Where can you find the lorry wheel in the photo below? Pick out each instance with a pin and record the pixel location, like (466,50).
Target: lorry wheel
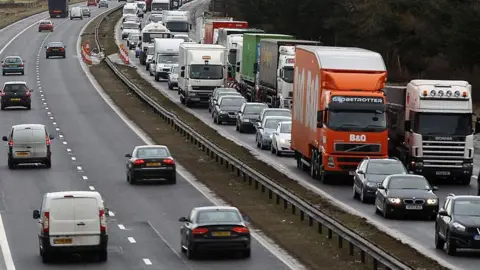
(157,78)
(182,100)
(465,181)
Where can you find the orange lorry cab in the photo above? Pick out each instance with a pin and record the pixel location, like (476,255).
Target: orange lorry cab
(338,116)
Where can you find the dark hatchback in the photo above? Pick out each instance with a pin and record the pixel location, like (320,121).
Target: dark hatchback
(248,115)
(458,224)
(16,94)
(406,194)
(55,49)
(216,94)
(151,163)
(226,109)
(214,228)
(370,174)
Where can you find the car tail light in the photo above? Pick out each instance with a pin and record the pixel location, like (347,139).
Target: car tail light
(62,49)
(49,49)
(4,65)
(28,93)
(46,222)
(2,93)
(240,229)
(21,64)
(10,143)
(103,221)
(200,231)
(139,162)
(169,161)
(47,140)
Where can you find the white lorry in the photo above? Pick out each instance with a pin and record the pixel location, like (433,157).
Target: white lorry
(129,9)
(430,128)
(166,56)
(202,69)
(176,21)
(200,26)
(148,34)
(129,28)
(158,6)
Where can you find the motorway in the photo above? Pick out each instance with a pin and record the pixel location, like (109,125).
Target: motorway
(419,234)
(88,154)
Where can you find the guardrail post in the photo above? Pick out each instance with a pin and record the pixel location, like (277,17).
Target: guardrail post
(277,199)
(263,189)
(256,184)
(270,194)
(310,221)
(362,256)
(375,264)
(330,233)
(320,228)
(350,249)
(285,204)
(293,209)
(302,215)
(340,242)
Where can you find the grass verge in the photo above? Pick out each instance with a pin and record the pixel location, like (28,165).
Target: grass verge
(305,243)
(14,14)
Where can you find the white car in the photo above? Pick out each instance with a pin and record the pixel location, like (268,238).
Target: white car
(72,222)
(150,55)
(173,78)
(185,37)
(129,28)
(281,139)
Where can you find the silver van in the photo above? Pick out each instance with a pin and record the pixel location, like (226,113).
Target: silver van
(28,143)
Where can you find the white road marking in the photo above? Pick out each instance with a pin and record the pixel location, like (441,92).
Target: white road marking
(79,168)
(54,123)
(57,129)
(64,142)
(131,240)
(73,158)
(51,117)
(111,214)
(49,113)
(17,35)
(7,254)
(91,187)
(121,227)
(84,177)
(69,150)
(147,261)
(60,136)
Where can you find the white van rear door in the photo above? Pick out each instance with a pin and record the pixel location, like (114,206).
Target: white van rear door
(87,221)
(62,218)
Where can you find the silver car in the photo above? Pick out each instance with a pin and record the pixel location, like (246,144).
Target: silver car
(86,12)
(274,112)
(282,138)
(266,128)
(173,78)
(103,3)
(29,143)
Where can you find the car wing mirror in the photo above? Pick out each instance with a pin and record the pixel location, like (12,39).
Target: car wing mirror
(360,172)
(443,212)
(51,137)
(183,219)
(45,47)
(128,155)
(36,214)
(434,188)
(245,217)
(107,211)
(5,139)
(381,187)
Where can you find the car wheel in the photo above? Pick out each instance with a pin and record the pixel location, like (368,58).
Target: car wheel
(64,56)
(11,164)
(171,88)
(48,163)
(173,180)
(46,257)
(246,253)
(132,181)
(103,255)
(272,149)
(2,107)
(385,211)
(362,196)
(257,141)
(241,129)
(214,119)
(439,242)
(23,72)
(157,77)
(278,152)
(451,247)
(355,193)
(29,106)
(465,181)
(3,73)
(190,252)
(46,56)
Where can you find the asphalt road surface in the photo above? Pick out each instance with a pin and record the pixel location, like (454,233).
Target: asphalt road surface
(88,154)
(417,233)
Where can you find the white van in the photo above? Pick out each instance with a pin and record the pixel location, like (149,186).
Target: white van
(76,12)
(72,222)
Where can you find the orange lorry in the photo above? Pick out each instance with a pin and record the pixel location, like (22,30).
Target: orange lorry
(338,115)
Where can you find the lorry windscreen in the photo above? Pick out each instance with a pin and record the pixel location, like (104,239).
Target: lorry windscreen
(232,56)
(451,124)
(206,72)
(288,74)
(129,11)
(177,26)
(167,59)
(130,26)
(160,6)
(361,120)
(149,37)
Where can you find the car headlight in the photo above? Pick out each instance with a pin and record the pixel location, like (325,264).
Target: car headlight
(246,120)
(458,226)
(467,165)
(371,184)
(331,162)
(432,201)
(192,94)
(222,112)
(394,200)
(270,136)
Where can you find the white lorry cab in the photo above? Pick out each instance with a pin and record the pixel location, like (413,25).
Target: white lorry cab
(148,34)
(129,27)
(176,21)
(129,9)
(166,56)
(202,69)
(72,222)
(158,6)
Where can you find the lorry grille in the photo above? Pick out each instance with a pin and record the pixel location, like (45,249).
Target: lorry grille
(357,147)
(209,88)
(446,154)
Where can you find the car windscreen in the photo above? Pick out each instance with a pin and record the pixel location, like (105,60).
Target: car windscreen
(12,60)
(55,45)
(215,216)
(408,183)
(130,25)
(385,168)
(286,128)
(152,153)
(29,136)
(15,88)
(467,208)
(277,113)
(254,109)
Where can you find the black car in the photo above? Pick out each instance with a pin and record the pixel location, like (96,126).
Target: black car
(226,109)
(55,49)
(248,116)
(16,94)
(214,228)
(457,224)
(151,163)
(370,173)
(215,95)
(403,194)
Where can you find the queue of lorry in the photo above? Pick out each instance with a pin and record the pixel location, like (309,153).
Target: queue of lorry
(342,109)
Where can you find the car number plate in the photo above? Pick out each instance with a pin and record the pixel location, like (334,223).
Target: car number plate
(55,50)
(62,241)
(414,207)
(15,99)
(22,154)
(476,237)
(351,173)
(442,173)
(154,164)
(221,233)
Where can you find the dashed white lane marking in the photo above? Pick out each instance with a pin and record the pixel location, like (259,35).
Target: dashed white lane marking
(51,117)
(91,188)
(45,103)
(121,227)
(147,261)
(131,240)
(111,214)
(79,168)
(57,129)
(60,136)
(69,150)
(54,123)
(49,113)
(73,158)
(64,142)
(84,177)
(43,99)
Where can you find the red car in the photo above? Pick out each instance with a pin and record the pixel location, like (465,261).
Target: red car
(45,25)
(91,3)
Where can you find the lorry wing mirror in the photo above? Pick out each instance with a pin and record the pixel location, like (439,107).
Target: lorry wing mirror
(182,74)
(408,125)
(238,68)
(255,67)
(477,125)
(190,25)
(182,68)
(278,73)
(319,119)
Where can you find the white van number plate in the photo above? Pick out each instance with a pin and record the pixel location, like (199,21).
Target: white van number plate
(442,173)
(62,241)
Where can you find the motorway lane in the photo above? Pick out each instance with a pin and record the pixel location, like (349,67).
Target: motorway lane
(99,139)
(420,232)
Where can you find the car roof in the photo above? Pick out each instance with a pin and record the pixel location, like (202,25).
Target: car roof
(398,175)
(256,103)
(47,21)
(211,208)
(15,82)
(276,109)
(463,197)
(151,146)
(384,160)
(276,117)
(13,56)
(232,97)
(226,89)
(31,126)
(61,194)
(286,122)
(55,43)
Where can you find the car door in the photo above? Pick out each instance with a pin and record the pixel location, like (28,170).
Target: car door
(240,113)
(381,194)
(87,221)
(39,143)
(187,227)
(357,181)
(445,220)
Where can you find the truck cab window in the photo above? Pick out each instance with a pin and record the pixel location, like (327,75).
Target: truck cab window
(351,120)
(452,124)
(288,74)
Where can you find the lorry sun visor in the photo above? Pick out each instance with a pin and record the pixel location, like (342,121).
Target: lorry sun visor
(357,107)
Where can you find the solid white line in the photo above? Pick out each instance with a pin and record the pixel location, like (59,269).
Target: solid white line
(121,227)
(7,254)
(57,129)
(84,177)
(131,240)
(91,187)
(17,35)
(147,261)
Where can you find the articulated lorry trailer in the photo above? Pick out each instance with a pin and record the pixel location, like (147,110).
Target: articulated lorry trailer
(275,71)
(338,116)
(430,128)
(212,26)
(58,8)
(248,69)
